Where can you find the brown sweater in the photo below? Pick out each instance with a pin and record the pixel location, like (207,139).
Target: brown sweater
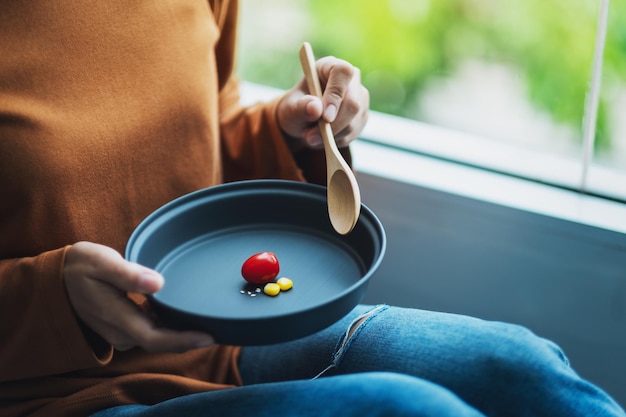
(109,109)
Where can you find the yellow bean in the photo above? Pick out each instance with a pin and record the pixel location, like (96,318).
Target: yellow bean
(271,289)
(284,283)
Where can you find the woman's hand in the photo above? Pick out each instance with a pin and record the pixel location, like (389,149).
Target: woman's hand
(97,279)
(345,104)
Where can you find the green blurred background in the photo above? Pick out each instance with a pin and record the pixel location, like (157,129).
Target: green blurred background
(509,70)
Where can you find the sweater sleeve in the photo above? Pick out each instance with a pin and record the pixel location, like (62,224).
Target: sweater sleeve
(40,332)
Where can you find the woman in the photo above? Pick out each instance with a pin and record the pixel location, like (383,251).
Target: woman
(109,110)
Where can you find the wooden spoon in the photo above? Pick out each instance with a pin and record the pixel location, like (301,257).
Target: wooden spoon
(344,198)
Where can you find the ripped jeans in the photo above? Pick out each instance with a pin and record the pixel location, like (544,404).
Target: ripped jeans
(390,361)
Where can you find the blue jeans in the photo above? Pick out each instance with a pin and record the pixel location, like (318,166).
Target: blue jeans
(390,361)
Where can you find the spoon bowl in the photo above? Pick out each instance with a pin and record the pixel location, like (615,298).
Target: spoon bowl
(345,210)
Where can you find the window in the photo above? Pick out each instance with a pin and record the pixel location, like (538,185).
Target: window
(500,85)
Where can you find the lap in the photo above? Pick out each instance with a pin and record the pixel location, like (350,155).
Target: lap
(400,361)
(357,395)
(494,366)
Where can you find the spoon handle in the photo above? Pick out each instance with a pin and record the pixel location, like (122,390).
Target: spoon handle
(313,82)
(310,72)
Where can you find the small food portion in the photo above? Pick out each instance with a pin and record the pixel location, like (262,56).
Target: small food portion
(260,268)
(284,283)
(271,289)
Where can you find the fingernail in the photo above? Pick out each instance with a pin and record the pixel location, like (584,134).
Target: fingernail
(314,140)
(150,281)
(330,113)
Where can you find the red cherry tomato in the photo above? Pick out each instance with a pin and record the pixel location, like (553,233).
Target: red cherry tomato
(260,268)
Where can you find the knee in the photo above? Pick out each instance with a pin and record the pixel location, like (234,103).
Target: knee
(514,351)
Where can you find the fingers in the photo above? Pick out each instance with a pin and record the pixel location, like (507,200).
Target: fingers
(166,340)
(344,104)
(142,332)
(97,279)
(125,326)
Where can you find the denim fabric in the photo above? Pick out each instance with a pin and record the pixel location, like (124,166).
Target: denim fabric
(390,361)
(357,395)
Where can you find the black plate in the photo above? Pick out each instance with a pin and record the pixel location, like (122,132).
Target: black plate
(199,242)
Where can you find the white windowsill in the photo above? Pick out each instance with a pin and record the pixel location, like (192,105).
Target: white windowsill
(388,161)
(487,186)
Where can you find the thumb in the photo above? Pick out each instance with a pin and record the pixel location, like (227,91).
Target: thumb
(339,79)
(147,280)
(110,267)
(129,276)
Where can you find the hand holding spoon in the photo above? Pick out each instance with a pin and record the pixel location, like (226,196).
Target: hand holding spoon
(344,198)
